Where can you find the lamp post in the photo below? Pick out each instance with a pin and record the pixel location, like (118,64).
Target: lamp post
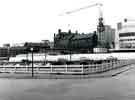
(32,62)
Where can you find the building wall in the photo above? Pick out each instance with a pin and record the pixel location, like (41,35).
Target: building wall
(107,37)
(3,52)
(62,39)
(23,48)
(75,41)
(126,36)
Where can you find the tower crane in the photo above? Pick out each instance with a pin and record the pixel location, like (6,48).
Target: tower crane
(100,26)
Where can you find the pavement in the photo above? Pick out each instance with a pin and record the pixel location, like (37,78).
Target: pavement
(118,84)
(109,73)
(119,87)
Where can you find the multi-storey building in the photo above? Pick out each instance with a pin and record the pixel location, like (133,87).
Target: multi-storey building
(106,38)
(125,36)
(75,41)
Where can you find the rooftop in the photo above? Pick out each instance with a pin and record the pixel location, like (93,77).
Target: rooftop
(82,36)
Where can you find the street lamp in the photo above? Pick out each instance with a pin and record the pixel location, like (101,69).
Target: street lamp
(32,62)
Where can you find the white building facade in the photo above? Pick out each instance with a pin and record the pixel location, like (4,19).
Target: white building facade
(125,36)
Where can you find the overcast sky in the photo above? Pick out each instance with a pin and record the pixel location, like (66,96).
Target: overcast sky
(36,20)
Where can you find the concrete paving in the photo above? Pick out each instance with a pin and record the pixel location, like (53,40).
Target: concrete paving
(118,87)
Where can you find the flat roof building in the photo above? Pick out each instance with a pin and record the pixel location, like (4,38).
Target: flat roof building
(107,37)
(125,36)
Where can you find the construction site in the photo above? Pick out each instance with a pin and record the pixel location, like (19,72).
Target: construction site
(92,65)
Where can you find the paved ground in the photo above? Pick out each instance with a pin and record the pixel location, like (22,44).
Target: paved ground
(120,87)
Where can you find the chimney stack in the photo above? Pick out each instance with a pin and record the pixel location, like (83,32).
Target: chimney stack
(59,31)
(69,31)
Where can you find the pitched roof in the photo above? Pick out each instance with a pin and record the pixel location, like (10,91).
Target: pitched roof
(32,44)
(65,36)
(82,36)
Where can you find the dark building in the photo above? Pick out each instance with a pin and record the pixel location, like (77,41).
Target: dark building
(13,51)
(62,39)
(3,52)
(10,51)
(84,42)
(37,47)
(75,41)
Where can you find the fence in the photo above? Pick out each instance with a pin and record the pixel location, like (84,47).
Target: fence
(66,69)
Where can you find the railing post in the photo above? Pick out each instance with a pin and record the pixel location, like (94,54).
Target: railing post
(51,68)
(82,69)
(92,71)
(15,69)
(103,64)
(98,68)
(95,68)
(5,69)
(66,68)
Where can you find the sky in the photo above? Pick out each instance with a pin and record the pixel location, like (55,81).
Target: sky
(36,20)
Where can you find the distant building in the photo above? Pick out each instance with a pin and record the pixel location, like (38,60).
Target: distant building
(62,39)
(23,48)
(125,36)
(17,45)
(13,51)
(6,45)
(107,37)
(37,46)
(75,41)
(84,42)
(3,52)
(49,43)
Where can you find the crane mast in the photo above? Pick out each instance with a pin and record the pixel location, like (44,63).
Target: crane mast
(100,26)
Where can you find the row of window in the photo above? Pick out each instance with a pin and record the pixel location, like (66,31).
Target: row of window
(127,40)
(82,43)
(127,45)
(127,34)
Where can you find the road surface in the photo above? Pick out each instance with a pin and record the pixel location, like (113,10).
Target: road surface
(120,87)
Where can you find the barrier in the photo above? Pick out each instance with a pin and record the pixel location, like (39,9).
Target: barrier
(66,69)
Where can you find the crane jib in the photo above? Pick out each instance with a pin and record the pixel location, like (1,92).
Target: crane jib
(82,8)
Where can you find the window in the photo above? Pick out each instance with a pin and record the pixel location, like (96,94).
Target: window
(127,34)
(127,40)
